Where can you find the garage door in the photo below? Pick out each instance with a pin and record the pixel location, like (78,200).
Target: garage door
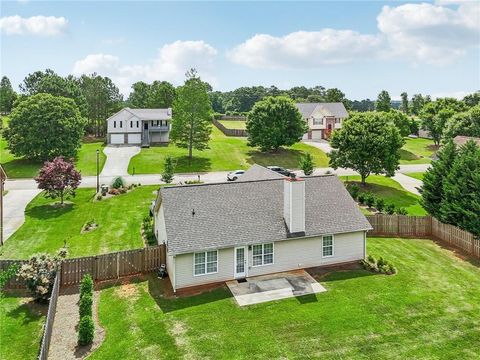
(317,134)
(134,138)
(116,139)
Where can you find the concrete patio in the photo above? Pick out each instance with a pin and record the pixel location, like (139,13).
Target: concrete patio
(271,287)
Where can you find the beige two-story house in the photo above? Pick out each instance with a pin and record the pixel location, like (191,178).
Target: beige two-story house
(322,118)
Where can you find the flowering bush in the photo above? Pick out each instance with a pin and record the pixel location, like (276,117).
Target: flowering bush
(39,273)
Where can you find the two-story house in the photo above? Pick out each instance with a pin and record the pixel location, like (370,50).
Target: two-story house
(139,127)
(322,118)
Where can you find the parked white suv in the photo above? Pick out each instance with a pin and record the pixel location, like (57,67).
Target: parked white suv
(234,175)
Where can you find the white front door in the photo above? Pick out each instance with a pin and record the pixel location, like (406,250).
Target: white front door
(240,270)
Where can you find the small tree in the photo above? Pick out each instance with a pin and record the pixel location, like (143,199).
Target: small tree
(275,122)
(39,273)
(7,95)
(404,106)
(192,111)
(168,170)
(118,182)
(86,330)
(306,164)
(368,144)
(58,178)
(383,102)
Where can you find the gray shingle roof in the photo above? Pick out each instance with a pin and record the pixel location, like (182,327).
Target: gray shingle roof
(462,140)
(326,109)
(151,114)
(249,212)
(257,172)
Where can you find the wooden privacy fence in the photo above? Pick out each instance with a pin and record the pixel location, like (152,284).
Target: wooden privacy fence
(47,329)
(229,132)
(424,226)
(102,267)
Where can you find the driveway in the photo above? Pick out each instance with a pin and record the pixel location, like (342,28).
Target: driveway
(323,145)
(14,204)
(118,159)
(408,183)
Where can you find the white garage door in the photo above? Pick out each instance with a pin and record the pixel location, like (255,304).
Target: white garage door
(317,134)
(117,139)
(134,138)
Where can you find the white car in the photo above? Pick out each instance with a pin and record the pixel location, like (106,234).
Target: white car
(234,175)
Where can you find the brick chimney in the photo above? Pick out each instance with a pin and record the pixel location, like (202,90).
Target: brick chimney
(294,205)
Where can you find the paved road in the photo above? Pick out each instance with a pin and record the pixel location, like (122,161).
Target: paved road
(408,183)
(118,159)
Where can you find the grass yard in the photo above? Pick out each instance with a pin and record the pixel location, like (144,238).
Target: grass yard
(232,124)
(391,191)
(18,167)
(21,326)
(417,175)
(429,310)
(417,151)
(47,227)
(225,153)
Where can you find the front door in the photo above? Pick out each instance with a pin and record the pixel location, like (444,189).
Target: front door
(240,270)
(145,125)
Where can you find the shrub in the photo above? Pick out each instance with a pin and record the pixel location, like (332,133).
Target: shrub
(86,330)
(381,265)
(114,191)
(122,190)
(380,204)
(193,182)
(86,286)
(118,182)
(99,197)
(168,169)
(390,209)
(369,199)
(361,198)
(85,305)
(401,211)
(353,189)
(306,164)
(148,230)
(39,273)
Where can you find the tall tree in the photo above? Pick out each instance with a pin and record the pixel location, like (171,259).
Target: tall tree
(58,178)
(384,102)
(367,143)
(465,123)
(140,95)
(45,126)
(275,122)
(472,99)
(432,188)
(435,115)
(161,95)
(335,95)
(400,120)
(7,95)
(461,187)
(404,106)
(417,104)
(192,112)
(103,99)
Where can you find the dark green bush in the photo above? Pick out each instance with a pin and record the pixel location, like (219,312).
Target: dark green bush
(85,305)
(86,330)
(390,209)
(381,265)
(401,211)
(361,198)
(86,286)
(118,182)
(369,199)
(380,204)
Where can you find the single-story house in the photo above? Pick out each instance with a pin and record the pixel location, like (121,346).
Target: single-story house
(224,231)
(462,140)
(139,127)
(322,118)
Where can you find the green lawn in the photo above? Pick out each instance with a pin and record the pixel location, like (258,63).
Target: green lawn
(47,227)
(417,151)
(391,191)
(21,327)
(232,124)
(17,167)
(429,310)
(225,153)
(417,175)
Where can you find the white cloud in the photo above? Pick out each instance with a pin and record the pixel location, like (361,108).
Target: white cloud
(430,33)
(171,63)
(305,49)
(35,25)
(456,94)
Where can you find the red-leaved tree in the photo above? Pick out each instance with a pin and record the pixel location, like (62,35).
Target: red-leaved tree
(58,178)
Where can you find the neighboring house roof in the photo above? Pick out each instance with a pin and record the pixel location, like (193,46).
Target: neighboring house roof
(257,172)
(213,216)
(462,140)
(148,114)
(325,109)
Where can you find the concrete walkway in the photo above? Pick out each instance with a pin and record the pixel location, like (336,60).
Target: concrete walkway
(118,159)
(408,183)
(320,144)
(14,204)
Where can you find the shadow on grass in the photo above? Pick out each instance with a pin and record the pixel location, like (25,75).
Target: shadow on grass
(29,311)
(158,288)
(196,164)
(307,299)
(49,211)
(407,155)
(21,168)
(347,275)
(288,158)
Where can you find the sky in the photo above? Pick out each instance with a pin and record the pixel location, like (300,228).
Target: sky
(360,47)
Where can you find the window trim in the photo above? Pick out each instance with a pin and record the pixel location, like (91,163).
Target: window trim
(319,119)
(206,262)
(263,254)
(333,246)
